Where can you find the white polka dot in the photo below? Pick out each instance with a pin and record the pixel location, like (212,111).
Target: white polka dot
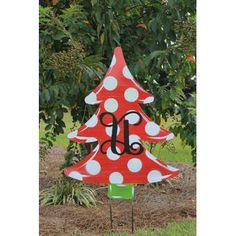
(110,83)
(111,105)
(134,165)
(113,156)
(75,175)
(116,178)
(154,176)
(133,138)
(92,121)
(127,73)
(93,167)
(170,136)
(131,94)
(133,118)
(91,98)
(91,140)
(152,128)
(113,61)
(109,130)
(171,168)
(148,100)
(72,134)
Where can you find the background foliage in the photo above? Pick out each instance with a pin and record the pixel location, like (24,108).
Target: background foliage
(77,38)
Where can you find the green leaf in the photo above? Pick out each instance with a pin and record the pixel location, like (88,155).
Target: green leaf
(158,53)
(59,35)
(46,95)
(48,127)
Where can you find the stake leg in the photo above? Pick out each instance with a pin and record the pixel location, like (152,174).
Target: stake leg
(132,217)
(110,213)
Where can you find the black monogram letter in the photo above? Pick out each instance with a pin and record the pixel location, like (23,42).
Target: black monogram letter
(128,148)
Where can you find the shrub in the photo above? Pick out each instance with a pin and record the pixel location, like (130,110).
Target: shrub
(67,191)
(158,40)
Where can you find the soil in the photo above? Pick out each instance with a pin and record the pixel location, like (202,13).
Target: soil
(154,206)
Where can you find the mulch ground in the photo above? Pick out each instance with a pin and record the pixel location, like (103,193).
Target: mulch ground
(154,206)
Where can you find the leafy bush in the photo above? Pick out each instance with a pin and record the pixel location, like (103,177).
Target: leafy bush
(158,39)
(67,191)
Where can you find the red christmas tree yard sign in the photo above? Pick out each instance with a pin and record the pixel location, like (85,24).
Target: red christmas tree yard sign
(118,125)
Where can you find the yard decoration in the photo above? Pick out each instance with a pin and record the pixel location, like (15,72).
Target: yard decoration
(118,125)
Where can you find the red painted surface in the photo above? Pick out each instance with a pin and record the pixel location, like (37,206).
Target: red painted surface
(118,94)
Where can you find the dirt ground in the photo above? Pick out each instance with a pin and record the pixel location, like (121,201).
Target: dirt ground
(154,206)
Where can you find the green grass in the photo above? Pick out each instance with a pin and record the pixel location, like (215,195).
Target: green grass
(181,154)
(185,228)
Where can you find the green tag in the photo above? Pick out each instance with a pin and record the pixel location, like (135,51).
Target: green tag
(121,191)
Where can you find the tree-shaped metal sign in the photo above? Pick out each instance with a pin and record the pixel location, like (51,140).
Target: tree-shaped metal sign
(118,125)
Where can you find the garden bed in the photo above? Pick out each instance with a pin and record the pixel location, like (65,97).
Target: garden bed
(154,205)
